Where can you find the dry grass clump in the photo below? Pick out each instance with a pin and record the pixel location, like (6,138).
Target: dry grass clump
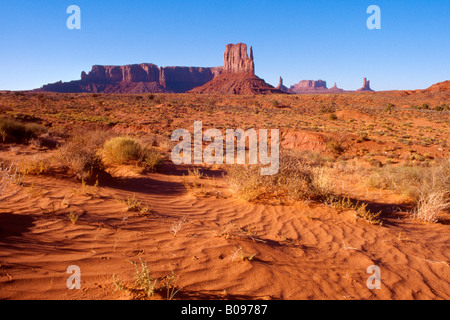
(8,177)
(122,150)
(145,286)
(80,154)
(429,187)
(37,165)
(135,205)
(430,206)
(16,131)
(296,180)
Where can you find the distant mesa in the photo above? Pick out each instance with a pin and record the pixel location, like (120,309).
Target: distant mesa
(366,86)
(238,76)
(311,86)
(136,78)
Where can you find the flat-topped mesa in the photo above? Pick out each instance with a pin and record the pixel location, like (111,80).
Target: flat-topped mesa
(144,72)
(366,86)
(137,78)
(306,86)
(236,59)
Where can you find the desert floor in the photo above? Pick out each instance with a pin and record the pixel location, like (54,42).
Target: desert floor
(225,247)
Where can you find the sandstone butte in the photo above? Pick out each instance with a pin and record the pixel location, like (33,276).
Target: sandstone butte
(365,87)
(238,75)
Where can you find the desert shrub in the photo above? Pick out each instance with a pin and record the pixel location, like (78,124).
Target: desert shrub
(335,147)
(16,131)
(333,116)
(81,153)
(8,177)
(120,150)
(327,109)
(275,104)
(37,165)
(296,180)
(441,107)
(429,187)
(152,158)
(430,205)
(389,107)
(146,286)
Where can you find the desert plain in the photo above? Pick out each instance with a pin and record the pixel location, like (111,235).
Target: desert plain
(363,181)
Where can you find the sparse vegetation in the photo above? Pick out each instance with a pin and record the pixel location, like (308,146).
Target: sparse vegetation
(8,176)
(429,187)
(146,286)
(80,154)
(73,217)
(296,180)
(16,131)
(135,205)
(120,150)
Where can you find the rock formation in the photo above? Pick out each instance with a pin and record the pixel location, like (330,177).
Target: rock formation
(309,86)
(137,78)
(238,76)
(236,60)
(183,79)
(335,89)
(366,86)
(283,87)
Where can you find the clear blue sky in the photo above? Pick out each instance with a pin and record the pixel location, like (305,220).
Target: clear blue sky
(298,39)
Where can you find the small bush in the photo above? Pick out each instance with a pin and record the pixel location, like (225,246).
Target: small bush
(335,148)
(80,154)
(8,177)
(389,107)
(146,286)
(429,187)
(327,109)
(296,180)
(152,158)
(15,131)
(121,150)
(431,205)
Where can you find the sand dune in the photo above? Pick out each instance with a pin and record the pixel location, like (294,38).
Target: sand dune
(300,251)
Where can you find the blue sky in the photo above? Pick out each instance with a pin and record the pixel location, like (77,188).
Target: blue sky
(298,40)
